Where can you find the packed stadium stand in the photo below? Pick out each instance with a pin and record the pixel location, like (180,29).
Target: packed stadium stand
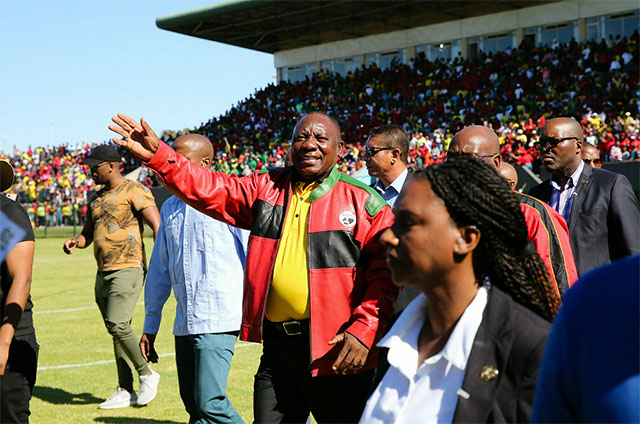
(432,91)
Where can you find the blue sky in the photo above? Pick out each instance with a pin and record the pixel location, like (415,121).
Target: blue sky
(67,66)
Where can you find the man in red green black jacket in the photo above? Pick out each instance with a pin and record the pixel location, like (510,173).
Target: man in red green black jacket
(318,293)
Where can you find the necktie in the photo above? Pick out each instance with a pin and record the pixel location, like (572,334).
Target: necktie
(566,213)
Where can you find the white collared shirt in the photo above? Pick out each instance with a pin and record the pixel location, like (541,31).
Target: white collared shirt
(560,195)
(428,393)
(390,194)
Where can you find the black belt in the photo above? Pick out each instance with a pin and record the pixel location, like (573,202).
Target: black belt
(286,328)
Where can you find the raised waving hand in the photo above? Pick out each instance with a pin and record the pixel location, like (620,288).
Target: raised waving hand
(138,137)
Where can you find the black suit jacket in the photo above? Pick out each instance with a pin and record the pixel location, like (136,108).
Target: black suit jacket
(604,224)
(511,341)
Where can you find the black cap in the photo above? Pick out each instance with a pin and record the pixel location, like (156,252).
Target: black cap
(102,153)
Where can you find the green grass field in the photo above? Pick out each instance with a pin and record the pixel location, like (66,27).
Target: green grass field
(75,367)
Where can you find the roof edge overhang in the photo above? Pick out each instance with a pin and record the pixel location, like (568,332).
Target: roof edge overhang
(194,16)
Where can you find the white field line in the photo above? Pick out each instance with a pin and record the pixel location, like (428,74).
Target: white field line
(111,361)
(84,308)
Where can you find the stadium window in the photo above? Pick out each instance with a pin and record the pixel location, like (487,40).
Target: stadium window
(612,27)
(630,23)
(341,66)
(445,50)
(593,29)
(440,51)
(298,73)
(351,64)
(623,24)
(370,59)
(490,43)
(546,35)
(310,69)
(384,60)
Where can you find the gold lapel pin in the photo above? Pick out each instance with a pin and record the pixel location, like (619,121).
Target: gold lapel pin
(583,181)
(489,372)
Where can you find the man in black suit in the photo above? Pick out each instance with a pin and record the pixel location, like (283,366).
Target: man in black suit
(599,205)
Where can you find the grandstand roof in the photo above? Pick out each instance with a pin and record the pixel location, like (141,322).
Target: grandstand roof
(276,25)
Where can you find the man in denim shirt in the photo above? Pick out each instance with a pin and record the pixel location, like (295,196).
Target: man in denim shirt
(202,260)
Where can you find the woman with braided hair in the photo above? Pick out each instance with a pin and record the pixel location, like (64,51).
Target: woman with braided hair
(469,347)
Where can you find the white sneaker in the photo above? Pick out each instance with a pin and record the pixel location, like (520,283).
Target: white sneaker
(148,387)
(120,399)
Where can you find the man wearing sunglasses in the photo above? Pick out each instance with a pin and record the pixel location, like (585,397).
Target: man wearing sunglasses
(545,227)
(591,156)
(386,155)
(599,205)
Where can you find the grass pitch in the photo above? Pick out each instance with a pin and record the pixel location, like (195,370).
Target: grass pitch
(76,370)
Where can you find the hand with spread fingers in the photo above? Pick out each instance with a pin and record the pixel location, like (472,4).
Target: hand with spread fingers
(138,137)
(352,356)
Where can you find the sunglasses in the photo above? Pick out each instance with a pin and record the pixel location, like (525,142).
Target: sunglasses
(592,162)
(551,142)
(371,151)
(98,165)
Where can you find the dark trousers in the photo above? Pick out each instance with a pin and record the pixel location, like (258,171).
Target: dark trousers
(285,392)
(19,378)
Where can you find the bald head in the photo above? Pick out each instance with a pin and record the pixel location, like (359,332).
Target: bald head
(197,148)
(509,173)
(479,141)
(562,141)
(566,127)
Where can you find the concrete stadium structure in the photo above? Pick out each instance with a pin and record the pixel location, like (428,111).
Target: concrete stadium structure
(340,36)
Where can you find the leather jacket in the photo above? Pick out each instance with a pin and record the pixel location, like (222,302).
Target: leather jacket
(349,282)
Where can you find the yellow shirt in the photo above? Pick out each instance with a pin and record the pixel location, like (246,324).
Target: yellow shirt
(289,292)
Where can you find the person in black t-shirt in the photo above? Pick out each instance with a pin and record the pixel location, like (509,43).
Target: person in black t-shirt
(18,346)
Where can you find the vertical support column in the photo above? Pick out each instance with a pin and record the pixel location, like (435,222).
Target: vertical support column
(278,75)
(361,58)
(410,53)
(519,36)
(464,47)
(582,30)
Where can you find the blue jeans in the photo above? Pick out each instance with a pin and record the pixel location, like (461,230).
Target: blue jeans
(203,362)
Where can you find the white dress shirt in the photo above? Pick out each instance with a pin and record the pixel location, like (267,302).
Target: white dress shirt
(427,393)
(560,195)
(390,194)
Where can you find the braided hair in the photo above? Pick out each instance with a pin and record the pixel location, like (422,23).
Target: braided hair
(474,194)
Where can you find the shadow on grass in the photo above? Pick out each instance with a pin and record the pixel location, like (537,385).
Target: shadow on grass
(62,397)
(131,420)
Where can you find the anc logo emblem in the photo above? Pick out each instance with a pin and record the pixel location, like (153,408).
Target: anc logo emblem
(347,218)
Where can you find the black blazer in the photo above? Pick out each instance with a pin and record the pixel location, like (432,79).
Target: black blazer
(511,341)
(604,224)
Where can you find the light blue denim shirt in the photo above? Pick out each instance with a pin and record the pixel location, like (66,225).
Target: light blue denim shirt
(202,260)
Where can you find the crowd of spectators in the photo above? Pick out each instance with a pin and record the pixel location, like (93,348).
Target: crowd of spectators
(513,91)
(54,186)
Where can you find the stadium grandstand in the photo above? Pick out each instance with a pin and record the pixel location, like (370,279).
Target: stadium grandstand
(341,36)
(431,67)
